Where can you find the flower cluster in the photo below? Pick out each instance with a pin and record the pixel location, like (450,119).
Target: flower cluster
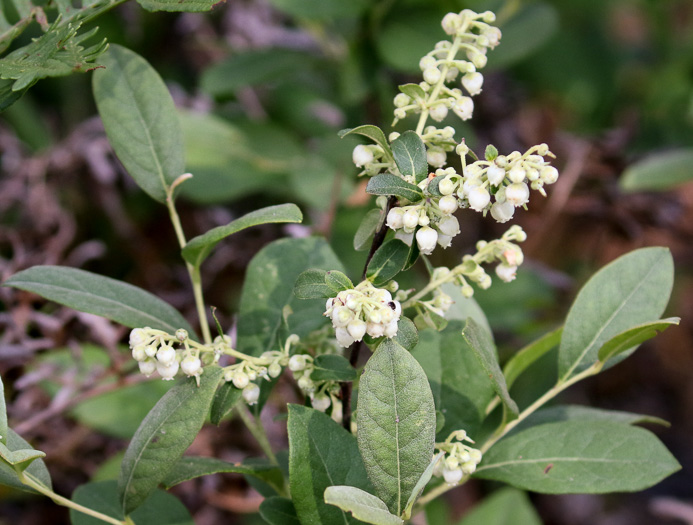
(436,224)
(459,459)
(506,178)
(472,35)
(363,310)
(154,352)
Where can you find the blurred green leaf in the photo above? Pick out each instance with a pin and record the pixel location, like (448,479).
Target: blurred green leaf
(99,295)
(367,229)
(407,35)
(504,507)
(396,422)
(569,457)
(37,468)
(279,511)
(190,6)
(321,9)
(529,354)
(140,120)
(332,367)
(199,248)
(387,261)
(659,172)
(191,467)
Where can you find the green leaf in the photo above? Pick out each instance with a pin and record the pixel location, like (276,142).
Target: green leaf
(389,184)
(582,413)
(321,454)
(279,511)
(140,120)
(20,458)
(633,337)
(191,467)
(572,457)
(37,469)
(461,389)
(199,248)
(338,281)
(423,481)
(504,507)
(408,34)
(375,134)
(407,335)
(410,155)
(632,290)
(3,415)
(524,358)
(190,6)
(269,287)
(321,9)
(525,33)
(251,68)
(659,172)
(414,91)
(387,261)
(396,421)
(95,294)
(160,507)
(367,229)
(464,307)
(332,367)
(312,284)
(362,505)
(57,52)
(224,400)
(485,351)
(166,432)
(432,187)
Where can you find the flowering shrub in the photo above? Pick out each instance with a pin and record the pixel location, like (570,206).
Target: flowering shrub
(431,388)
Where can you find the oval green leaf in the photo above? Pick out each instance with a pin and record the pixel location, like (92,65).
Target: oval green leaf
(166,432)
(389,184)
(199,248)
(224,400)
(632,290)
(573,457)
(410,155)
(338,281)
(37,469)
(507,506)
(321,454)
(312,284)
(366,230)
(362,505)
(332,367)
(95,294)
(659,172)
(630,339)
(191,467)
(279,511)
(396,423)
(387,261)
(140,120)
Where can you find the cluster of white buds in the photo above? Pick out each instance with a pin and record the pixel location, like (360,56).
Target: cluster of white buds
(439,304)
(435,225)
(459,459)
(505,179)
(363,310)
(154,351)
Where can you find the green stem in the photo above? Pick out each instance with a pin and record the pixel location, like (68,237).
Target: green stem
(30,481)
(257,430)
(193,272)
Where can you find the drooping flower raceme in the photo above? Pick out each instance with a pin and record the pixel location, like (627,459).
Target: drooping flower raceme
(363,310)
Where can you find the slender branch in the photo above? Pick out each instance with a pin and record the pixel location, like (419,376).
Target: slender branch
(379,236)
(30,481)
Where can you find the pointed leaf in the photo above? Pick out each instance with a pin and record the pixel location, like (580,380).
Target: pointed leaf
(372,132)
(633,337)
(413,90)
(224,400)
(321,454)
(632,290)
(529,354)
(332,367)
(367,229)
(279,511)
(507,506)
(140,120)
(410,155)
(480,341)
(362,505)
(312,284)
(160,507)
(389,184)
(396,423)
(572,457)
(191,467)
(37,468)
(95,294)
(20,458)
(421,484)
(387,261)
(166,432)
(197,249)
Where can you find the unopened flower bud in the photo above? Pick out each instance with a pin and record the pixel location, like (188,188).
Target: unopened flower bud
(506,272)
(451,23)
(431,75)
(439,112)
(401,100)
(166,355)
(436,158)
(427,238)
(548,174)
(182,334)
(448,204)
(463,108)
(472,82)
(449,226)
(167,372)
(240,379)
(362,156)
(394,218)
(343,337)
(137,337)
(502,212)
(446,186)
(306,384)
(357,329)
(495,175)
(427,62)
(452,476)
(410,219)
(147,367)
(391,329)
(251,393)
(517,174)
(138,353)
(375,329)
(479,198)
(297,362)
(517,194)
(150,350)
